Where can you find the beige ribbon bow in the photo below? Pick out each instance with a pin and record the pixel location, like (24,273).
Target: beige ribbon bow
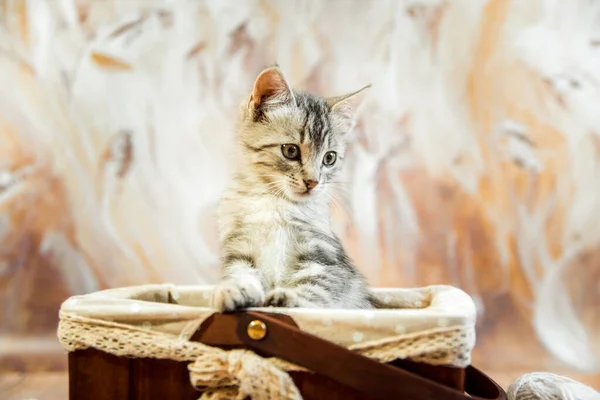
(238,374)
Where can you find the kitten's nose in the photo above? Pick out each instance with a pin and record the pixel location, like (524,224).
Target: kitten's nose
(310,184)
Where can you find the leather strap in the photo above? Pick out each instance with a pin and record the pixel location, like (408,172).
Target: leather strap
(377,380)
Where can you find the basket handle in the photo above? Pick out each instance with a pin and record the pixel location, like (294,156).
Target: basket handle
(378,380)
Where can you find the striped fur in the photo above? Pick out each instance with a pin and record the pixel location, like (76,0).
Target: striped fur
(278,247)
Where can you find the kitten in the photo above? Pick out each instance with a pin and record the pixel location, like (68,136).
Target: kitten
(278,247)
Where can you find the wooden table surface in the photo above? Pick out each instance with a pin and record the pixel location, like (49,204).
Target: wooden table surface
(53,385)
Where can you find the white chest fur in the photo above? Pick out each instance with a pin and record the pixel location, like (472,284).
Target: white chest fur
(271,237)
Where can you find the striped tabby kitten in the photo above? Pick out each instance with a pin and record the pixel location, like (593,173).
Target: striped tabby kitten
(278,247)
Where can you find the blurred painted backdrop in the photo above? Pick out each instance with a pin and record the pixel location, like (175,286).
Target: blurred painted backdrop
(475,162)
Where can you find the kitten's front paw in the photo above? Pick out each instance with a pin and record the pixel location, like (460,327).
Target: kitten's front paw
(230,296)
(280,297)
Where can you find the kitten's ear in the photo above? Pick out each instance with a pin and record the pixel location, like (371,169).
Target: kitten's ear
(270,89)
(347,104)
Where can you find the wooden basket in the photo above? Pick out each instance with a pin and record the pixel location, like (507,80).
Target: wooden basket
(331,371)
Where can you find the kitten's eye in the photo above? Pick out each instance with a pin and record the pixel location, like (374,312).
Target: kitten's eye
(330,158)
(290,151)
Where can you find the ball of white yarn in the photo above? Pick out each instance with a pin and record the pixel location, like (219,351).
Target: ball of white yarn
(547,386)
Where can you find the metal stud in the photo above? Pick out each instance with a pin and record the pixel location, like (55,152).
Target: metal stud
(257,330)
